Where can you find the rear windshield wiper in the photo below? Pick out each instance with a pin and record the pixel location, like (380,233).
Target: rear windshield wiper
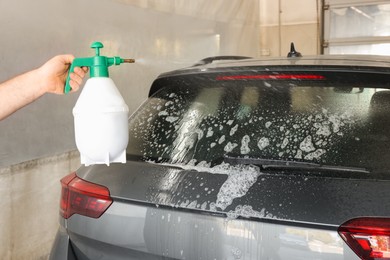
(271,164)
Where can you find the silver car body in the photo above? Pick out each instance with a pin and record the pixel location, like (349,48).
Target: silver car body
(176,210)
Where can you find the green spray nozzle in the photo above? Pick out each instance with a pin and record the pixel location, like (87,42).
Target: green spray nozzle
(98,65)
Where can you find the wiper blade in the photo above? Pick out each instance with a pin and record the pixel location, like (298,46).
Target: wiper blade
(266,164)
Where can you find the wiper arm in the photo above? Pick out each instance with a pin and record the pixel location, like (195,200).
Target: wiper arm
(266,162)
(284,164)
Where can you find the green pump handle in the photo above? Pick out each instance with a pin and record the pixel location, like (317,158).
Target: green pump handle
(98,65)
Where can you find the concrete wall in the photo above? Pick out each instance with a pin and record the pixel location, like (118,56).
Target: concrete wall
(37,143)
(304,37)
(30,194)
(286,21)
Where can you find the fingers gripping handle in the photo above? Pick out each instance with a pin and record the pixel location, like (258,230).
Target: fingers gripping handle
(78,62)
(67,87)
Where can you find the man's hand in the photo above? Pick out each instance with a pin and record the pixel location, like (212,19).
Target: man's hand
(54,72)
(49,78)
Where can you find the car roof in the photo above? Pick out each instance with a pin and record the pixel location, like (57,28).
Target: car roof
(222,62)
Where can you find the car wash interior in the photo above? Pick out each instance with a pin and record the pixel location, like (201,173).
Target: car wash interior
(37,142)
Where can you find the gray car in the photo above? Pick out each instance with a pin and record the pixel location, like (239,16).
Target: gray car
(241,158)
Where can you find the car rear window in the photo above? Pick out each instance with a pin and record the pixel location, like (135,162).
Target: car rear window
(206,120)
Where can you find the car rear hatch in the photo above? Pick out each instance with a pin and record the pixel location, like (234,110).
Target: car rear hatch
(248,163)
(163,211)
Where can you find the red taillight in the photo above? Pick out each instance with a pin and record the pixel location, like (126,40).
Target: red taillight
(83,197)
(368,237)
(273,76)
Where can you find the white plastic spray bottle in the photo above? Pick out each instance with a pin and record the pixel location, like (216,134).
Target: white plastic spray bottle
(100,113)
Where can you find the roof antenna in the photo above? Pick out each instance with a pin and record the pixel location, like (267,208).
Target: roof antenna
(293,53)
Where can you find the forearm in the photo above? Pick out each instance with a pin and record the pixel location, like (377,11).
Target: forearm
(20,91)
(49,78)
